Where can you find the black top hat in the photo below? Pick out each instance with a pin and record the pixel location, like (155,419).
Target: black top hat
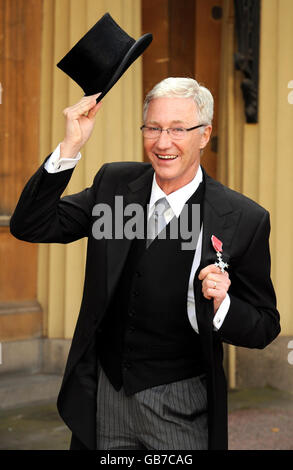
(102,55)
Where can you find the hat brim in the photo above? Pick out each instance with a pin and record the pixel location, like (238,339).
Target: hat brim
(134,52)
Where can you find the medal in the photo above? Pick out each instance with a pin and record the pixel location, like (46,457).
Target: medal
(218,247)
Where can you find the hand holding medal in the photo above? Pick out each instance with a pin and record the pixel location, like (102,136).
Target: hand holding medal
(215,280)
(218,247)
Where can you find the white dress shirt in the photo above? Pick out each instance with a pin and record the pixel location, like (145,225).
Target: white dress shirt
(54,164)
(176,200)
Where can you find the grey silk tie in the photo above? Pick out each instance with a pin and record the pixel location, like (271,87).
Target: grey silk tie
(157,220)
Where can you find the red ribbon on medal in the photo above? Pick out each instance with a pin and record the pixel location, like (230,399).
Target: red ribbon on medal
(217,244)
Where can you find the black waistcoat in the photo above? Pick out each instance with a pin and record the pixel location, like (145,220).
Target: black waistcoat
(146,338)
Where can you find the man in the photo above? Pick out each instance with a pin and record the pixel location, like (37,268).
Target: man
(155,315)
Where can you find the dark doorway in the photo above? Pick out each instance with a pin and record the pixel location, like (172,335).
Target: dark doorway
(187,43)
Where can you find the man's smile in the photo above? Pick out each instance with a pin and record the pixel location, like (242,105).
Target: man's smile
(166,157)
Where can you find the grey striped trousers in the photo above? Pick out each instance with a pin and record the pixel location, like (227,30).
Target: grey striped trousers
(165,417)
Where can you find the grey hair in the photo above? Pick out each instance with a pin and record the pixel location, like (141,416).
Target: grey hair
(180,87)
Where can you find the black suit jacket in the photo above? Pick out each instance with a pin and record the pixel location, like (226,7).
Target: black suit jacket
(241,224)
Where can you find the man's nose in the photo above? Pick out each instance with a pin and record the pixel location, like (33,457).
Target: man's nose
(164,140)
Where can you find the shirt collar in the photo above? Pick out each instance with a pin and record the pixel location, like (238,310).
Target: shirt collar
(178,198)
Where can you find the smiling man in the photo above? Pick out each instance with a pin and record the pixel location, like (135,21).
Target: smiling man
(174,152)
(145,366)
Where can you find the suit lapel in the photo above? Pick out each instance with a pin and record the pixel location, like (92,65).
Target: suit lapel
(138,192)
(219,219)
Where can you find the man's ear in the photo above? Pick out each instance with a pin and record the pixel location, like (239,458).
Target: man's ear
(205,136)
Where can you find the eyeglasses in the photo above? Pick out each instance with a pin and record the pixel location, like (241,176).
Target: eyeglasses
(176,133)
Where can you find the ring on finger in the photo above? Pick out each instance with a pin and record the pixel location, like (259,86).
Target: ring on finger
(215,285)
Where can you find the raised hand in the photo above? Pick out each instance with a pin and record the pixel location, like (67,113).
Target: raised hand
(80,120)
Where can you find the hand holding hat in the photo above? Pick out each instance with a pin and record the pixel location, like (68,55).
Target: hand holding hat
(96,63)
(80,119)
